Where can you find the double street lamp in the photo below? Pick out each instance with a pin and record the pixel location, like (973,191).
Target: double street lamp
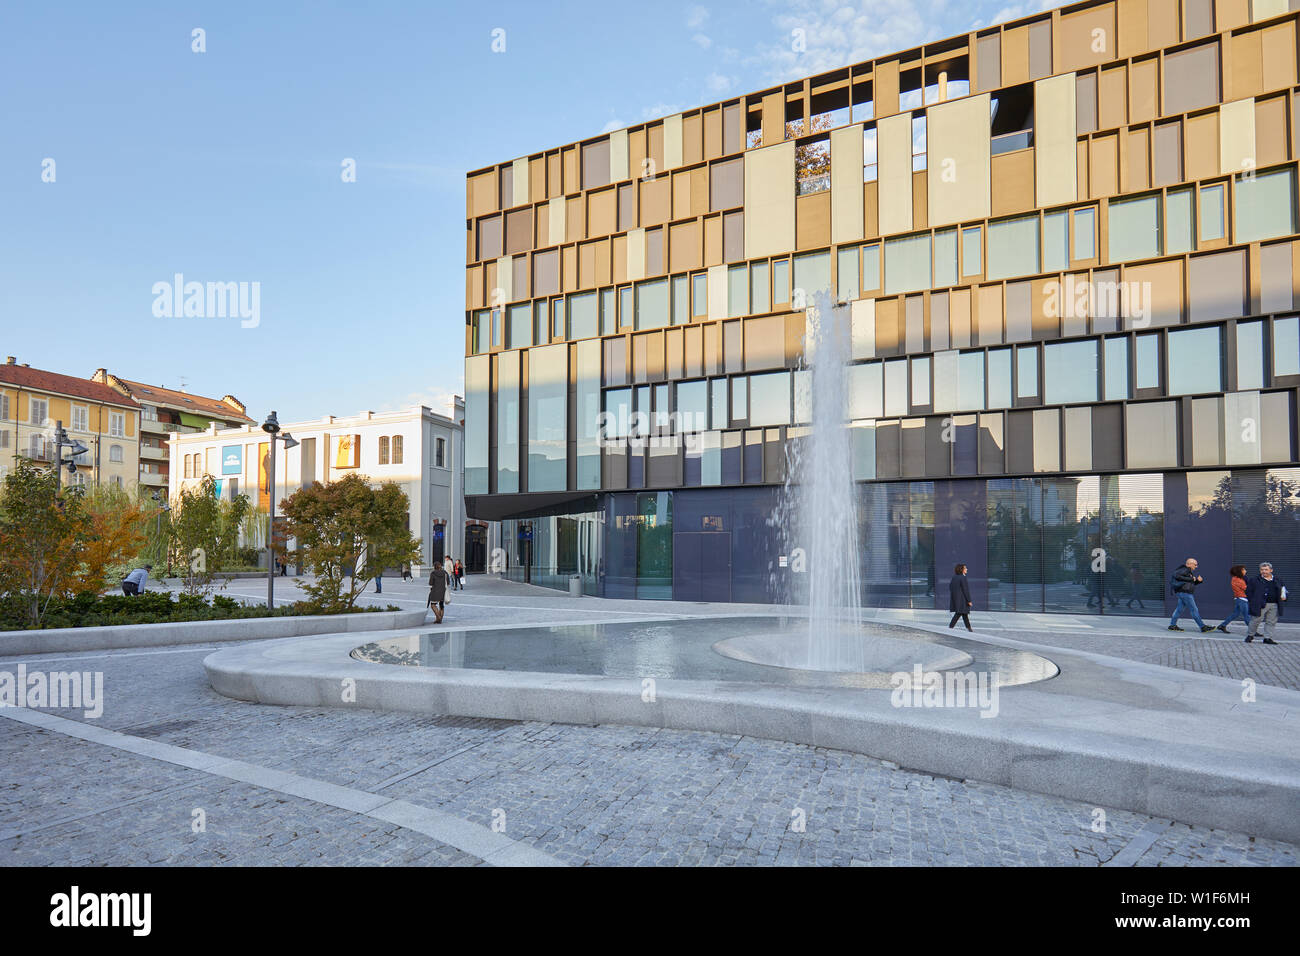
(61,440)
(272,427)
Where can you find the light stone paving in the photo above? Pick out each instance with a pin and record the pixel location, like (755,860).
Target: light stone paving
(578,794)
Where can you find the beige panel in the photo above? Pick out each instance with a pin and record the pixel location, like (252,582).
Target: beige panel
(1279,56)
(1229,14)
(1265,9)
(862,323)
(1013,182)
(1142,90)
(1237,136)
(1086,37)
(846,184)
(957,168)
(1103,162)
(636,254)
(1054,140)
(673,141)
(1270,131)
(813,221)
(769,200)
(618,169)
(505,280)
(520,172)
(1015,56)
(1201,145)
(718,306)
(1245,73)
(894,166)
(558,220)
(1132,27)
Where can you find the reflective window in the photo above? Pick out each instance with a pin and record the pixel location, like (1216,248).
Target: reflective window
(1070,372)
(1147,361)
(1027,371)
(681,300)
(739,399)
(625,315)
(896,387)
(507,397)
(1116,354)
(700,294)
(812,273)
(1250,355)
(1056,241)
(1265,206)
(769,399)
(1134,228)
(608,317)
(759,297)
(871,266)
(718,403)
(520,321)
(1085,232)
(1194,361)
(496,328)
(737,291)
(970,252)
(866,383)
(693,406)
(1178,221)
(481,331)
(921,381)
(970,381)
(869,154)
(587,398)
(945,383)
(541,321)
(1152,434)
(582,315)
(618,412)
(477,411)
(1013,248)
(945,257)
(1212,212)
(557,318)
(780,281)
(999,375)
(846,274)
(1286,346)
(907,264)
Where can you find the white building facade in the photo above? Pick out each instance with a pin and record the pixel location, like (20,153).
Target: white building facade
(417,449)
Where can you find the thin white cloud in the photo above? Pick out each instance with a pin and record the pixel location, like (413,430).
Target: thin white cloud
(702,41)
(696,17)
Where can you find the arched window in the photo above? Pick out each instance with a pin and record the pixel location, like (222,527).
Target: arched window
(383,449)
(115,453)
(397,449)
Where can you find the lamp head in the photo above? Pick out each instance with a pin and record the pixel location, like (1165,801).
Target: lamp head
(289,441)
(271,425)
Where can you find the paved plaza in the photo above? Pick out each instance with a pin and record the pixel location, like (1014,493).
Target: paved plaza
(173,773)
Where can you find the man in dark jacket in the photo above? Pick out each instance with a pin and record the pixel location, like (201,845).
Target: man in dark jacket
(1185,581)
(959,601)
(1265,595)
(437,590)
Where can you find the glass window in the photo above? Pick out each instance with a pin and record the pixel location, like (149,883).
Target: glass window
(507,397)
(871,267)
(1152,434)
(1250,355)
(1178,221)
(907,264)
(760,299)
(970,381)
(718,403)
(1147,361)
(587,398)
(481,331)
(496,328)
(739,398)
(896,387)
(700,294)
(769,399)
(866,384)
(693,406)
(1013,248)
(999,378)
(1212,212)
(608,316)
(737,291)
(1191,78)
(921,381)
(652,304)
(541,321)
(846,278)
(918,143)
(945,257)
(557,318)
(1070,372)
(1027,371)
(521,321)
(681,301)
(812,274)
(1286,346)
(970,251)
(869,154)
(582,315)
(1056,241)
(1265,206)
(780,281)
(1194,361)
(1134,228)
(618,413)
(625,316)
(477,411)
(1116,356)
(1085,232)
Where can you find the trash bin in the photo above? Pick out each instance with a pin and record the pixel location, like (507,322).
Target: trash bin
(575,585)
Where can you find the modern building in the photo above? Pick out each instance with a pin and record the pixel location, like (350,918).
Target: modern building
(167,410)
(1065,249)
(417,449)
(33,402)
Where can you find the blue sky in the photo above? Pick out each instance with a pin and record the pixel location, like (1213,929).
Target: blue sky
(224,166)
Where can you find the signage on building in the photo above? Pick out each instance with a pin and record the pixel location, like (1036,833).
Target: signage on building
(347,451)
(232,460)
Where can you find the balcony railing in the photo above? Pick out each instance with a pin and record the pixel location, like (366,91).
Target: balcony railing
(1009,142)
(814,184)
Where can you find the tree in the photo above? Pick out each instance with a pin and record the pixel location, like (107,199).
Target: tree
(204,532)
(348,526)
(116,532)
(43,536)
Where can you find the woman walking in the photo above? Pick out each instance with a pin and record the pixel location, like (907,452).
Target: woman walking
(959,601)
(460,576)
(1240,606)
(437,591)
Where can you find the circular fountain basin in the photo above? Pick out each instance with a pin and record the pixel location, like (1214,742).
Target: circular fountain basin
(855,653)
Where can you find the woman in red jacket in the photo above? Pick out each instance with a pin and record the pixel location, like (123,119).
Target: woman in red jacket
(1240,606)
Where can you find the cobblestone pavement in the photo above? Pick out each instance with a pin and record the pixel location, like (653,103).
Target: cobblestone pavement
(581,795)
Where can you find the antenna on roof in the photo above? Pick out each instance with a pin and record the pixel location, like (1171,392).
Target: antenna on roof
(182,388)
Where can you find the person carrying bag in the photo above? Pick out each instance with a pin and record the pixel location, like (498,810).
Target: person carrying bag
(438,595)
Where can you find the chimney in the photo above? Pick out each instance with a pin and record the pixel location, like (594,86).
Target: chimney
(10,360)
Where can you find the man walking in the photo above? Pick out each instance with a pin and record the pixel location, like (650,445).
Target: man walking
(959,601)
(1184,584)
(1264,596)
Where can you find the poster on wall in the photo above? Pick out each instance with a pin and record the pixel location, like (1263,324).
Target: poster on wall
(232,460)
(347,451)
(263,463)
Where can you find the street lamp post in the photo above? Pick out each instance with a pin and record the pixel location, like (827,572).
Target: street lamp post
(272,427)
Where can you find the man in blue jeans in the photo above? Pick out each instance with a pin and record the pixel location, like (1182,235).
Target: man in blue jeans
(1185,581)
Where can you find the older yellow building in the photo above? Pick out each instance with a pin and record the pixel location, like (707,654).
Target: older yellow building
(34,401)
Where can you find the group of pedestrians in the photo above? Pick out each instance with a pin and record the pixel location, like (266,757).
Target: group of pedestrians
(1256,600)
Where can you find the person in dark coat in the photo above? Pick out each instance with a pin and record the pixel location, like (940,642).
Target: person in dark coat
(959,601)
(1265,596)
(437,590)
